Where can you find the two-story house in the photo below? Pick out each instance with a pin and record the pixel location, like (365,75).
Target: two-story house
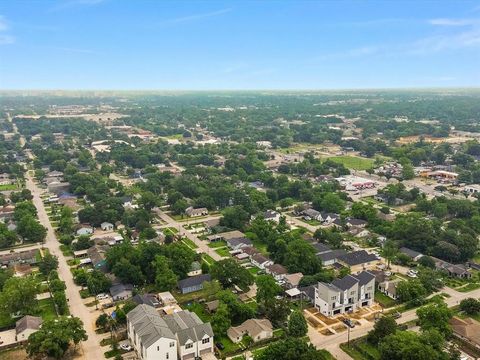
(346,294)
(181,335)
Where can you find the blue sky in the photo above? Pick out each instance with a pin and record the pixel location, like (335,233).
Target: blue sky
(135,44)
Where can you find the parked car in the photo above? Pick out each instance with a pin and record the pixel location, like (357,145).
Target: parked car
(219,346)
(349,323)
(125,347)
(102,296)
(397,315)
(411,274)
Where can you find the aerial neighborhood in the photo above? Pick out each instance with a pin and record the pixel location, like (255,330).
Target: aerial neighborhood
(225,250)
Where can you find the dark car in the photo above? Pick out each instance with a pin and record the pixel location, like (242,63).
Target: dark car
(219,346)
(349,323)
(397,315)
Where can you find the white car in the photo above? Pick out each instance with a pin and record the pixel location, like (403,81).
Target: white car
(102,296)
(125,347)
(411,274)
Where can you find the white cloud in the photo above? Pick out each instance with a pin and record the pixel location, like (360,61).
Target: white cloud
(348,54)
(6,39)
(75,50)
(436,43)
(452,22)
(3,23)
(194,17)
(61,5)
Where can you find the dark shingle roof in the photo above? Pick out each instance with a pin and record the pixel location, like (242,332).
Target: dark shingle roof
(345,283)
(357,258)
(364,277)
(237,241)
(120,288)
(321,248)
(194,281)
(309,291)
(331,255)
(409,252)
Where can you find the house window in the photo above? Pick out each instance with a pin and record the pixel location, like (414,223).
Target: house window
(172,344)
(369,288)
(166,356)
(188,346)
(206,341)
(158,348)
(334,298)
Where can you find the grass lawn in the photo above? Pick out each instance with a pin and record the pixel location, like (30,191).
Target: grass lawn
(198,309)
(223,252)
(189,243)
(352,162)
(254,270)
(469,287)
(66,250)
(361,350)
(208,259)
(217,244)
(172,230)
(47,309)
(186,298)
(230,347)
(384,300)
(8,187)
(13,354)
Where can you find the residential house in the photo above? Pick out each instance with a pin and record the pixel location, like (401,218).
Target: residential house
(195,269)
(166,298)
(54,173)
(321,248)
(57,187)
(389,288)
(21,257)
(84,230)
(193,283)
(293,280)
(358,260)
(147,299)
(192,212)
(346,294)
(255,328)
(459,270)
(212,306)
(412,254)
(6,180)
(6,212)
(271,215)
(121,291)
(226,236)
(467,330)
(97,256)
(328,218)
(277,271)
(106,226)
(239,243)
(261,261)
(312,214)
(250,251)
(26,326)
(329,258)
(179,335)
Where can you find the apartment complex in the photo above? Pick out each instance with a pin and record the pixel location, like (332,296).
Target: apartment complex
(346,294)
(181,335)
